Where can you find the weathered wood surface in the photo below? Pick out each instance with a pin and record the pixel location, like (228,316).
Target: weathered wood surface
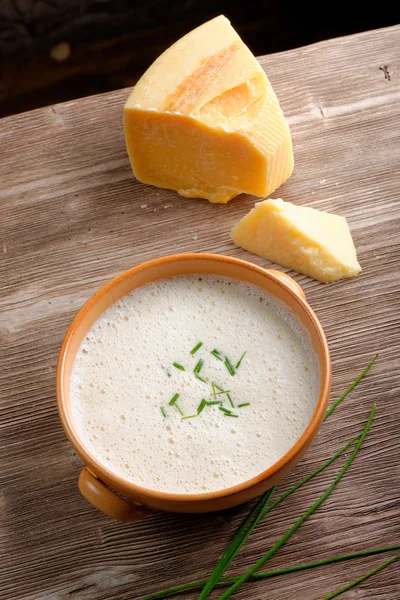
(73,216)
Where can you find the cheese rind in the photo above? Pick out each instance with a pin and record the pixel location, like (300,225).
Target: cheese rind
(304,239)
(204,120)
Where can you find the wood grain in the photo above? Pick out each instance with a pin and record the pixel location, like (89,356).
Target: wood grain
(73,216)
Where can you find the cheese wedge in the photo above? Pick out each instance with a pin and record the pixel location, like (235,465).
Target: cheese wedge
(304,239)
(204,120)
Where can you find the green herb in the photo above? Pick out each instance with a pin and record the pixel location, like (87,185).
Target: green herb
(362,578)
(217,354)
(229,366)
(240,360)
(178,366)
(212,402)
(282,540)
(201,406)
(200,378)
(243,404)
(173,399)
(230,414)
(164,414)
(188,417)
(198,367)
(169,374)
(215,387)
(275,572)
(235,545)
(223,392)
(350,388)
(197,346)
(172,402)
(230,399)
(225,410)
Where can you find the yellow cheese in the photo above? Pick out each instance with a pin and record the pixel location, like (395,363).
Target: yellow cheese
(307,240)
(204,120)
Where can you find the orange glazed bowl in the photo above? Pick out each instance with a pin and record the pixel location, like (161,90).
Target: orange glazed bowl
(126,501)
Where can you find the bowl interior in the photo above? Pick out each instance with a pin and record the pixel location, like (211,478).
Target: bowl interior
(167,267)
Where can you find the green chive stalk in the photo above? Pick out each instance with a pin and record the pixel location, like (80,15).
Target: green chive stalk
(230,399)
(276,572)
(350,388)
(200,378)
(201,406)
(199,366)
(239,362)
(178,366)
(229,366)
(197,346)
(362,578)
(236,544)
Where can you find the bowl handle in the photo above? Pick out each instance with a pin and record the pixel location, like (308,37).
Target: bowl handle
(289,281)
(107,501)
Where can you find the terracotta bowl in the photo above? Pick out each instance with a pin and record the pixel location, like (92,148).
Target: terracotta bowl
(126,501)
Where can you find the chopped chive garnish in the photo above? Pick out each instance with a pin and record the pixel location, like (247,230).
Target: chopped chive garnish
(244,404)
(217,354)
(198,377)
(177,408)
(221,391)
(188,417)
(198,367)
(169,374)
(164,414)
(230,399)
(217,387)
(173,399)
(178,366)
(201,406)
(212,402)
(225,410)
(240,360)
(197,346)
(229,366)
(230,415)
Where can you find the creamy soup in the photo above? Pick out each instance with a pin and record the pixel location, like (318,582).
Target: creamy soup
(194,384)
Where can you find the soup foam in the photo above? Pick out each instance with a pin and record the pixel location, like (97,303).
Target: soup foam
(124,378)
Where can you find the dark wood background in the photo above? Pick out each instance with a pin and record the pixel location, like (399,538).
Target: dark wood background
(111,42)
(72,218)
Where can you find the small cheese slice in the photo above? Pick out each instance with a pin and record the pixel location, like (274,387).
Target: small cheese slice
(204,120)
(307,240)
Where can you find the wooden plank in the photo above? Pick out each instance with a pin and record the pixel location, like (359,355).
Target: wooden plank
(73,216)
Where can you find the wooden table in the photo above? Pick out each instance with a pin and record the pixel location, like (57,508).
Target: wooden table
(73,216)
